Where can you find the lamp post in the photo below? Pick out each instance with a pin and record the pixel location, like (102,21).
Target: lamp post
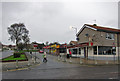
(35,45)
(118,47)
(71,27)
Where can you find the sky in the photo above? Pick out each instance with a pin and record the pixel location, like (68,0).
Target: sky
(51,20)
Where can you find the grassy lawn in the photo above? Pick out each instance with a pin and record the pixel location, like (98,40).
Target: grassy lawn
(22,57)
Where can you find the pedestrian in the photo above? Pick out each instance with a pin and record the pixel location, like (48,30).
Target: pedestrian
(44,57)
(70,54)
(30,52)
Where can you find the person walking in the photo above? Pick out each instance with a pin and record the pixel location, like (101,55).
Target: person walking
(70,55)
(44,57)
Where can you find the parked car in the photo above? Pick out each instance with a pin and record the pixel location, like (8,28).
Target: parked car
(41,51)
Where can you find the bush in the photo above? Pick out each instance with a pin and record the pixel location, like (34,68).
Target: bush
(17,55)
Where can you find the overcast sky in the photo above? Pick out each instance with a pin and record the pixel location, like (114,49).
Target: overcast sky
(50,21)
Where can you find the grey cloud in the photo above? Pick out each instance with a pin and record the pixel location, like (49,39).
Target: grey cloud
(50,21)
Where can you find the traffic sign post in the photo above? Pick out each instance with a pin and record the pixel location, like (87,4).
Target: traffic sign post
(65,52)
(35,45)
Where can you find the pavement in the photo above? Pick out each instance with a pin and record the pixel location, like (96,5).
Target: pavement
(83,61)
(12,66)
(55,69)
(6,53)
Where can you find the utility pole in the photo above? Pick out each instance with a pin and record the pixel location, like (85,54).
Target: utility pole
(118,46)
(71,27)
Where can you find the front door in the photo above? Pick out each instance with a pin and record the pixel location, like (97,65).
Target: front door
(85,52)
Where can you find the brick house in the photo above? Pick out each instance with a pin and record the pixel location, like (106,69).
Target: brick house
(96,42)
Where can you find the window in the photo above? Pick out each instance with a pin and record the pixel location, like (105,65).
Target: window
(109,36)
(62,50)
(95,50)
(106,50)
(79,51)
(74,51)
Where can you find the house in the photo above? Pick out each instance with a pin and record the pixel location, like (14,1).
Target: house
(12,47)
(5,47)
(73,43)
(9,47)
(96,42)
(52,48)
(55,48)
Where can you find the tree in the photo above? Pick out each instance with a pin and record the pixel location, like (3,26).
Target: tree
(40,46)
(21,46)
(16,32)
(26,40)
(10,46)
(47,42)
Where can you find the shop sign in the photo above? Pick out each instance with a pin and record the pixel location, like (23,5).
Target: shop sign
(58,46)
(90,43)
(35,45)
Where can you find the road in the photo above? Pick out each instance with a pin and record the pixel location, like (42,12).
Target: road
(54,69)
(6,53)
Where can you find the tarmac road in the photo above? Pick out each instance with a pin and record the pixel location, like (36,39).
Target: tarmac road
(54,69)
(6,53)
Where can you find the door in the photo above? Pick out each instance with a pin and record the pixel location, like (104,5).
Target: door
(85,52)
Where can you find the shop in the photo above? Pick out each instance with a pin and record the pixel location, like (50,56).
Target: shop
(98,43)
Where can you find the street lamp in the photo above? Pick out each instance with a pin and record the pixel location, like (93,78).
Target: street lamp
(72,27)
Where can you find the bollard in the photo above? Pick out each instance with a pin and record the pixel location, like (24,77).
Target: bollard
(64,59)
(106,62)
(96,62)
(38,60)
(81,61)
(34,60)
(16,63)
(61,58)
(6,68)
(28,63)
(58,57)
(70,60)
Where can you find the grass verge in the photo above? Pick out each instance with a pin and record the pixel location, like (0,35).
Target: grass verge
(11,58)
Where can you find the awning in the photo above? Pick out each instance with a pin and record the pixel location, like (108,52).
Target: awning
(80,45)
(46,47)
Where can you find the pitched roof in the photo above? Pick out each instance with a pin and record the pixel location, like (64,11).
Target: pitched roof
(104,28)
(73,42)
(99,28)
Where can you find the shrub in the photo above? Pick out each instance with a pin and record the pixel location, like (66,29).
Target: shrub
(17,54)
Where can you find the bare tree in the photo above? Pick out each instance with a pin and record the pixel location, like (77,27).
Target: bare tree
(26,40)
(16,32)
